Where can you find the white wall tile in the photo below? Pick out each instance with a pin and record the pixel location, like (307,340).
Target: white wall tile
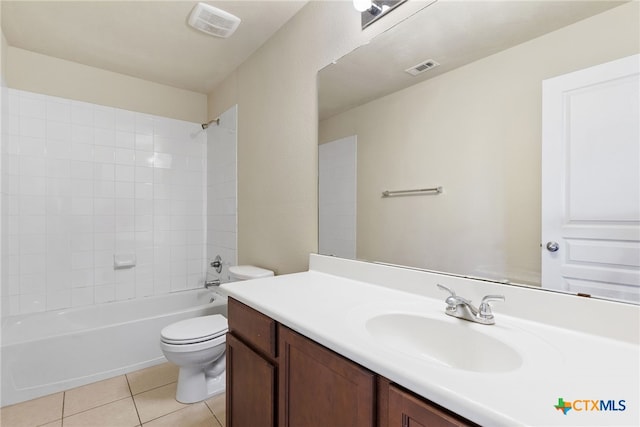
(58,168)
(144,174)
(125,140)
(105,137)
(58,111)
(81,134)
(144,223)
(125,291)
(102,171)
(82,260)
(58,300)
(81,169)
(81,242)
(81,113)
(104,224)
(144,191)
(58,280)
(125,173)
(81,205)
(32,303)
(82,296)
(104,206)
(30,107)
(32,224)
(58,130)
(104,189)
(104,240)
(82,278)
(32,205)
(104,117)
(81,188)
(83,182)
(144,123)
(144,158)
(125,156)
(81,151)
(144,142)
(125,120)
(125,190)
(58,150)
(32,146)
(125,223)
(125,206)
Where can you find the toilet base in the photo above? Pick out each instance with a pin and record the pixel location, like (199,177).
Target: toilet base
(196,383)
(195,386)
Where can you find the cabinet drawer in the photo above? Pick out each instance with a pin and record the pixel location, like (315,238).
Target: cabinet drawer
(256,329)
(405,409)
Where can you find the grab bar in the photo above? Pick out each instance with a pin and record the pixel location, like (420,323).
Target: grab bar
(436,190)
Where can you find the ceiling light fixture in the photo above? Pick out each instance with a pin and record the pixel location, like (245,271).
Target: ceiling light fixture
(372,10)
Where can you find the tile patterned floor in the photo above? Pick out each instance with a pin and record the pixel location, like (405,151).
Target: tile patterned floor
(141,398)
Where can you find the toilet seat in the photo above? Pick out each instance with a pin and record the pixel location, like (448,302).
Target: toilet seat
(195,330)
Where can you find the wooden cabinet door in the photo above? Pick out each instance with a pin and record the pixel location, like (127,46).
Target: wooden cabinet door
(406,410)
(251,387)
(319,388)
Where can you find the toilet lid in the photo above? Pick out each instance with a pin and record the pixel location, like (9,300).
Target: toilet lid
(196,329)
(245,272)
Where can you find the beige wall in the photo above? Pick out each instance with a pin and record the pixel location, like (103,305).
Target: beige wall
(3,49)
(275,90)
(476,131)
(38,73)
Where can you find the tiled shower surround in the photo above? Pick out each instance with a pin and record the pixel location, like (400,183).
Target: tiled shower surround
(82,183)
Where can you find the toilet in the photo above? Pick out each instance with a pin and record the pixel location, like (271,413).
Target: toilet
(197,346)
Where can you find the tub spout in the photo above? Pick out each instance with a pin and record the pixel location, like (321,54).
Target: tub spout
(208,284)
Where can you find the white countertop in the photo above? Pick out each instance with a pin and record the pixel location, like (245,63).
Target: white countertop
(557,362)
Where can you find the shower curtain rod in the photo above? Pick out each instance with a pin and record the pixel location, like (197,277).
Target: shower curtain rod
(206,125)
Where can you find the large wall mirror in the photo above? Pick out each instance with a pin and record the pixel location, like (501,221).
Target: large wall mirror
(471,126)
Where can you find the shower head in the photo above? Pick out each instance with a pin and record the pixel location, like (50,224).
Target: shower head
(206,125)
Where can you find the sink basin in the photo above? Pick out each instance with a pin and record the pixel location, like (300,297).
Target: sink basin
(450,342)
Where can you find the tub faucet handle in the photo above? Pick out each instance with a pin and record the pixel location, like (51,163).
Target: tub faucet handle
(217,264)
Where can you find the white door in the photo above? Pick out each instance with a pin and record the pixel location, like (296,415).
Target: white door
(591,181)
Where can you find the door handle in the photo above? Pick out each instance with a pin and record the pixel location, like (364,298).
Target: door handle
(553,246)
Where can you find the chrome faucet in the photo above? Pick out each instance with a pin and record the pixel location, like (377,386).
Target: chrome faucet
(211,283)
(463,309)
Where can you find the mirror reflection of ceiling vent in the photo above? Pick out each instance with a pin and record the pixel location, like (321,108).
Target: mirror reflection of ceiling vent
(422,67)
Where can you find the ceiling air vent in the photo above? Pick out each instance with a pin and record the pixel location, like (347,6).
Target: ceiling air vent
(422,67)
(213,21)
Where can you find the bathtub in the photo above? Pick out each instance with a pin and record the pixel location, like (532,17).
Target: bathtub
(44,353)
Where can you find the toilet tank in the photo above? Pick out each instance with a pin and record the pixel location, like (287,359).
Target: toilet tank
(247,272)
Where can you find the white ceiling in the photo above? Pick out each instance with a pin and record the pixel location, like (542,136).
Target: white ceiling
(453,33)
(146,39)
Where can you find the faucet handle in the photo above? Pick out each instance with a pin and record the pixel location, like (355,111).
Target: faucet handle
(485,309)
(453,300)
(444,288)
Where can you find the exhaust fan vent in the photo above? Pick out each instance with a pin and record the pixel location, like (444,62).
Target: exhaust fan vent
(213,21)
(422,67)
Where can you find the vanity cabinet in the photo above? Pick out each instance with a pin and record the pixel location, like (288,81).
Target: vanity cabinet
(277,377)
